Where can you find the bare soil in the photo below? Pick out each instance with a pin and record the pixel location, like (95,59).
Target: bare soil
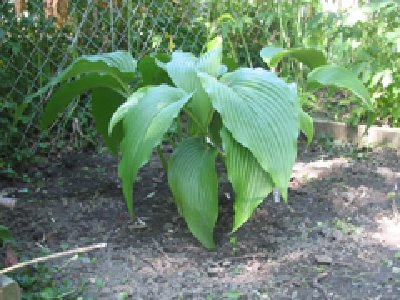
(336,238)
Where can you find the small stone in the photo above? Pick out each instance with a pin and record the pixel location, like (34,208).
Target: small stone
(7,202)
(139,224)
(323,259)
(214,271)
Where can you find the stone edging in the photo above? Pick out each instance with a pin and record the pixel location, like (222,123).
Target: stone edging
(376,136)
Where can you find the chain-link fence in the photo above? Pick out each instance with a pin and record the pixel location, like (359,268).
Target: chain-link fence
(40,37)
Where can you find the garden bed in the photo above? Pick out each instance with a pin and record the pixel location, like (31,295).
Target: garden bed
(336,238)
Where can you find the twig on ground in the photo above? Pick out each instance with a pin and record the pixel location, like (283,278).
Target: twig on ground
(52,256)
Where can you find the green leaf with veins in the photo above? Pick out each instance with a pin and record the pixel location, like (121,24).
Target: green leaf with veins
(194,185)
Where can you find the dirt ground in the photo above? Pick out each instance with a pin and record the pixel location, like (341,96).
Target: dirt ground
(337,238)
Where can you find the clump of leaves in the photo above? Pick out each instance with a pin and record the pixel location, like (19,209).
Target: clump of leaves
(248,118)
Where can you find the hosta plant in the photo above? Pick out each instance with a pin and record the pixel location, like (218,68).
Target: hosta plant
(249,119)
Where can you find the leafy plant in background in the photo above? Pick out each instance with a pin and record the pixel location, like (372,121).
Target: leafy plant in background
(374,54)
(367,42)
(321,74)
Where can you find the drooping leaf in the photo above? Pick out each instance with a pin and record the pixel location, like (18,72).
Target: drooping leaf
(119,64)
(341,78)
(152,74)
(306,125)
(250,181)
(119,114)
(262,114)
(144,126)
(104,103)
(183,68)
(68,91)
(194,185)
(313,58)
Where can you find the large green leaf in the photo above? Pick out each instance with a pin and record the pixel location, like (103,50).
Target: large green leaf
(194,185)
(313,58)
(68,91)
(183,69)
(262,114)
(104,102)
(132,100)
(341,78)
(306,125)
(249,181)
(120,65)
(144,126)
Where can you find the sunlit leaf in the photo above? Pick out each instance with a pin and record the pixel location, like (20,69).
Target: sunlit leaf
(194,185)
(341,78)
(262,114)
(183,69)
(119,114)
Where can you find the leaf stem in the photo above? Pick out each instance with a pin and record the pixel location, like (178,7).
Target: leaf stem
(162,158)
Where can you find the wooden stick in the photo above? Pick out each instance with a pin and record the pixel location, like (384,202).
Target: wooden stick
(52,256)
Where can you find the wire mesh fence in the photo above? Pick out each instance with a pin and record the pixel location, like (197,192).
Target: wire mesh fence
(40,37)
